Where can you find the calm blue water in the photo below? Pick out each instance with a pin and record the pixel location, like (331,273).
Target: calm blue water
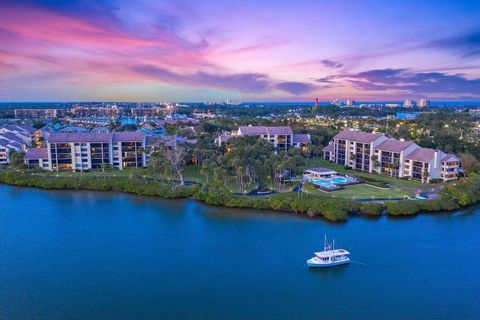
(83,255)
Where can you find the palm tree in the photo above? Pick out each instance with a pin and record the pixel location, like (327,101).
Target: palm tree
(425,176)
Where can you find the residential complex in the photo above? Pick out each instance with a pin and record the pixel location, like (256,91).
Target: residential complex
(37,158)
(14,138)
(282,137)
(98,111)
(375,152)
(39,113)
(87,151)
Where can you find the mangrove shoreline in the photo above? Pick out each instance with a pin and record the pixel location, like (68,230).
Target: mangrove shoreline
(451,197)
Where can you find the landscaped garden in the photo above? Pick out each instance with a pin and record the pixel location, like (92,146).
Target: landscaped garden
(375,186)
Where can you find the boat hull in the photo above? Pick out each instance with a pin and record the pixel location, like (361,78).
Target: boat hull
(313,264)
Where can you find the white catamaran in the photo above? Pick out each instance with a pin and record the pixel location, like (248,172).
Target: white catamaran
(329,257)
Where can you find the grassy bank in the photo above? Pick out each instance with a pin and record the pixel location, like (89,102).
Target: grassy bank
(452,197)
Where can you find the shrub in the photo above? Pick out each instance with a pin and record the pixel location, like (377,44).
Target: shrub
(402,208)
(372,208)
(375,182)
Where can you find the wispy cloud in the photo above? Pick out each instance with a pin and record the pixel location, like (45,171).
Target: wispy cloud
(245,82)
(110,45)
(296,88)
(466,44)
(409,81)
(331,64)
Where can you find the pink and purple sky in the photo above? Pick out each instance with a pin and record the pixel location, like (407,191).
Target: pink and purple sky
(146,50)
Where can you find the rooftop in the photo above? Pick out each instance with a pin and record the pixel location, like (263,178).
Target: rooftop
(10,137)
(224,138)
(58,137)
(321,170)
(86,137)
(329,148)
(261,130)
(128,136)
(252,130)
(450,156)
(279,130)
(301,138)
(358,136)
(36,153)
(421,154)
(394,145)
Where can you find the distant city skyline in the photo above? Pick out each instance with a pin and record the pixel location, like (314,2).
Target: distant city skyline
(239,50)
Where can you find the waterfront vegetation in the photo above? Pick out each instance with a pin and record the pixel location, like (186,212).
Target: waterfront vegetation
(229,175)
(451,196)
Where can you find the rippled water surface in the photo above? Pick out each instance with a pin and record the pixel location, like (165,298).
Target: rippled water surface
(85,255)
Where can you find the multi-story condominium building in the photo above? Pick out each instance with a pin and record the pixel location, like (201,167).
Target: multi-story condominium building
(39,113)
(375,152)
(149,112)
(87,151)
(98,111)
(389,157)
(408,103)
(423,103)
(282,138)
(354,149)
(425,164)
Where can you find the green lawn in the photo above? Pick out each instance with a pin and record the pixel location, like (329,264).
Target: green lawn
(398,187)
(364,191)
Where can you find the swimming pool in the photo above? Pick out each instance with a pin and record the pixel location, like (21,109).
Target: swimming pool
(336,180)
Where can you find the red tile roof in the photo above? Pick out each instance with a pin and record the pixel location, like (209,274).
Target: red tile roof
(67,137)
(421,154)
(393,145)
(329,148)
(252,130)
(128,136)
(358,136)
(301,138)
(261,130)
(225,137)
(279,130)
(449,156)
(36,153)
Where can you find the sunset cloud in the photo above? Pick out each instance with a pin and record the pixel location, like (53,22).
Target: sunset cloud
(238,49)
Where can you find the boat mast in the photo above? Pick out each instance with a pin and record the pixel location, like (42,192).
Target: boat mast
(325,243)
(333,250)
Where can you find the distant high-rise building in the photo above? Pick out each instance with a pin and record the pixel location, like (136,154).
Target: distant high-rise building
(228,101)
(408,104)
(423,103)
(337,102)
(349,102)
(316,102)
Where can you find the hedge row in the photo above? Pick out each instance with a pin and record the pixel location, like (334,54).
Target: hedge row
(120,184)
(331,209)
(451,198)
